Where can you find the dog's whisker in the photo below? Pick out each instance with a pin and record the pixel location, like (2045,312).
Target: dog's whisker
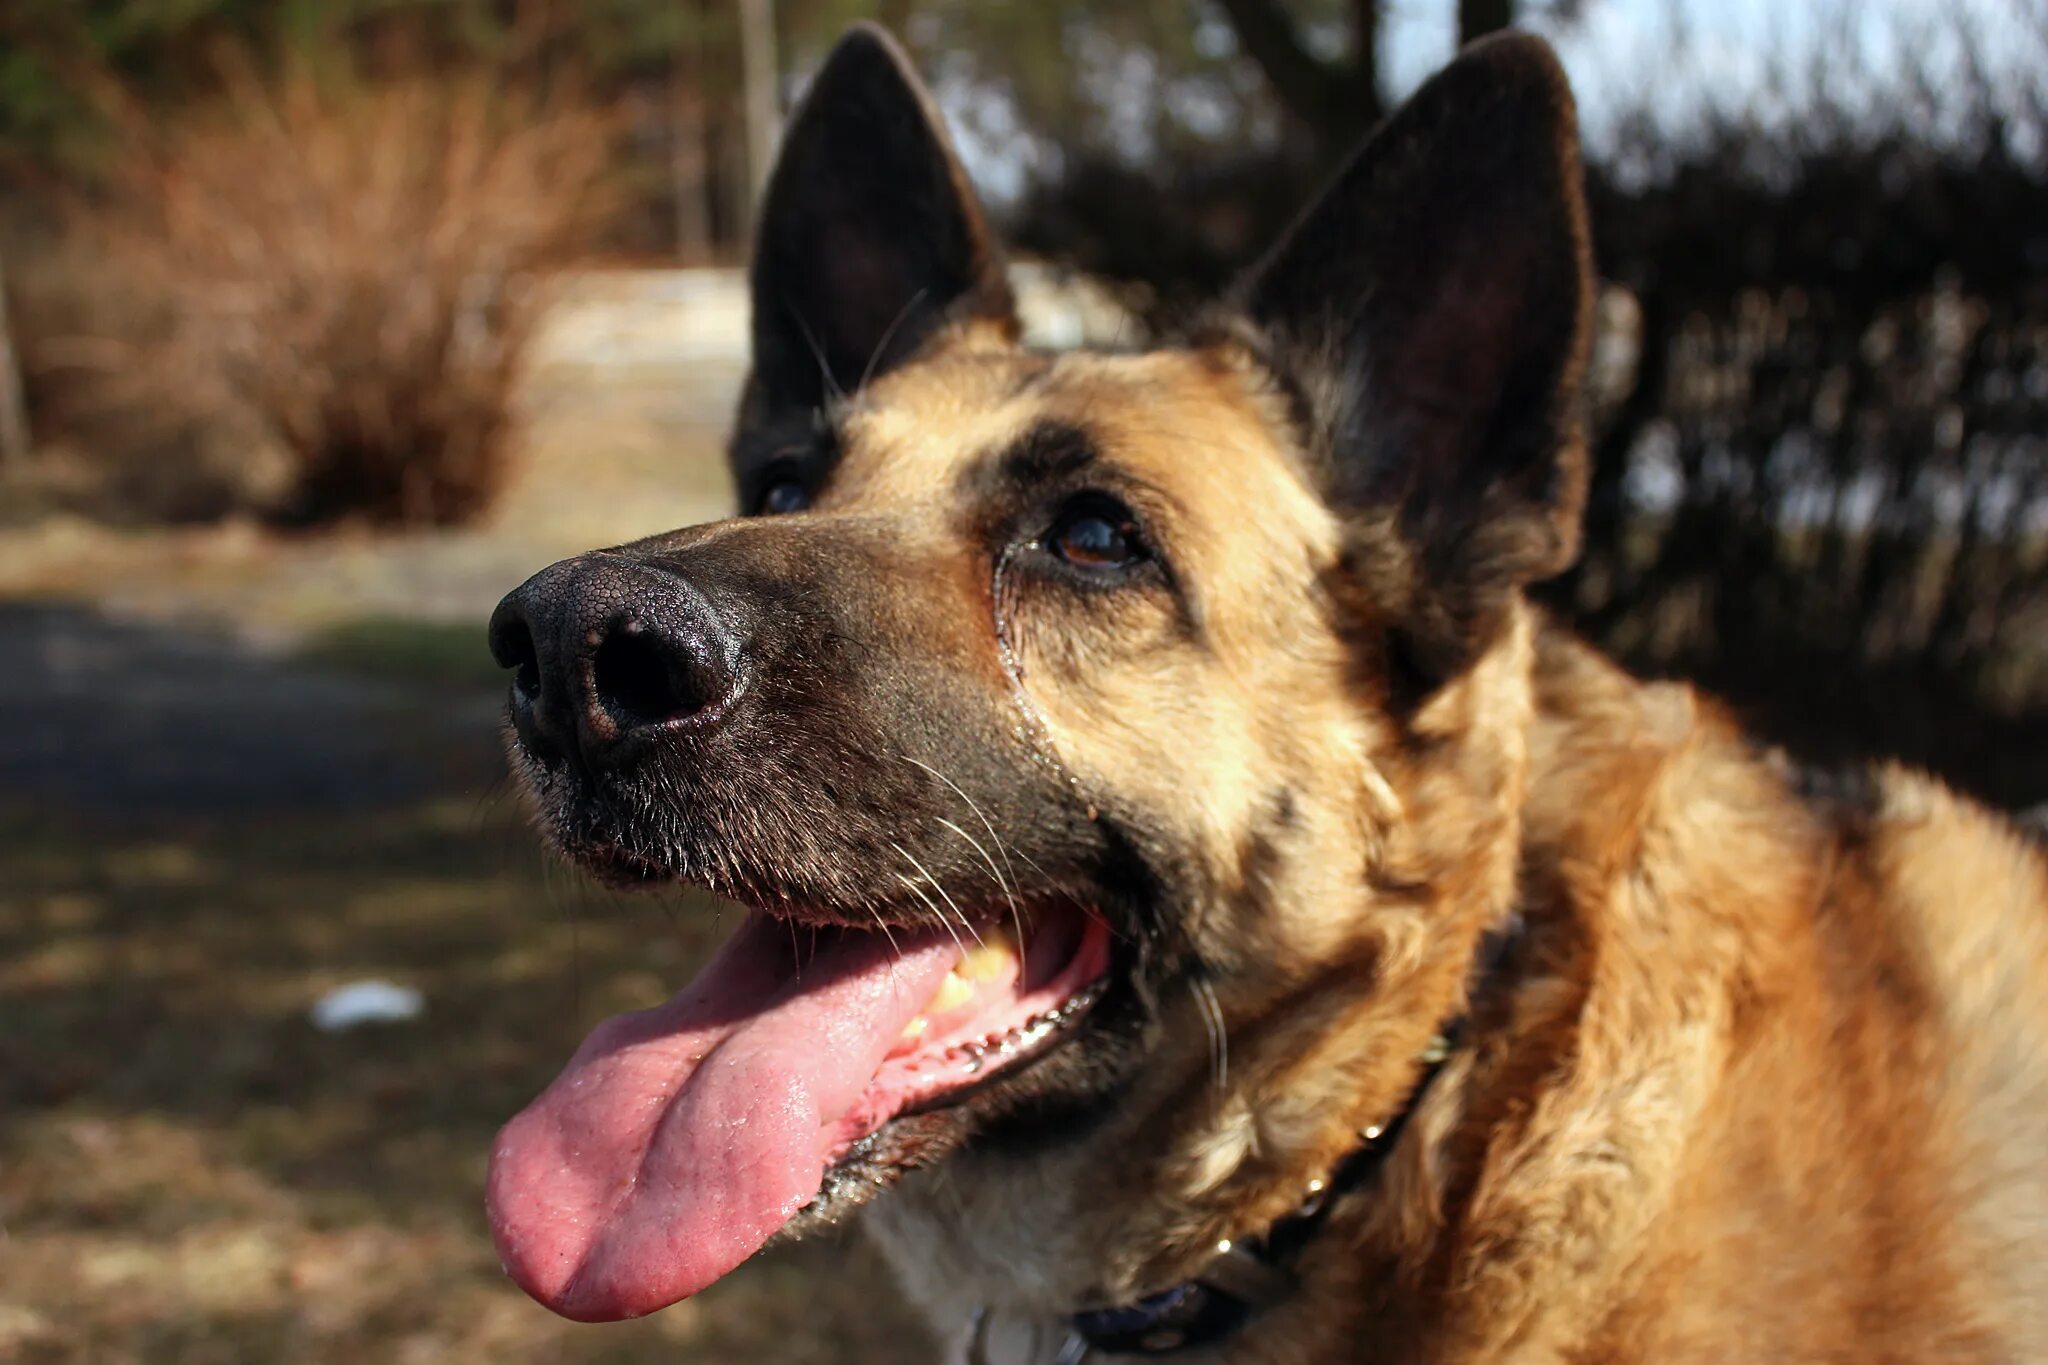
(1001,847)
(817,353)
(944,923)
(888,334)
(1016,919)
(965,923)
(986,824)
(883,925)
(1058,888)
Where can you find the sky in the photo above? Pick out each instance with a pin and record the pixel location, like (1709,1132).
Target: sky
(1620,56)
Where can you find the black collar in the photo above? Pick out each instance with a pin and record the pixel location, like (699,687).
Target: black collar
(1250,1274)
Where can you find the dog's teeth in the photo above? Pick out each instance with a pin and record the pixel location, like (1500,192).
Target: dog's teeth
(916,1027)
(986,961)
(952,993)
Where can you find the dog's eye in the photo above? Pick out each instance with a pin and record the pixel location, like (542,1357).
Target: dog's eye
(1097,534)
(782,495)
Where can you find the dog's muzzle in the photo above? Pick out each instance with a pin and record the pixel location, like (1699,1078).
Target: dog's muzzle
(609,653)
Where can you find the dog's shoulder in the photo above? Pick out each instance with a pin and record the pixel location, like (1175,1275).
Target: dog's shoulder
(1964,888)
(1934,912)
(1966,892)
(1860,961)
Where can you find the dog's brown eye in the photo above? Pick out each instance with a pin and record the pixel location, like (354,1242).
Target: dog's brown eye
(1097,536)
(783,495)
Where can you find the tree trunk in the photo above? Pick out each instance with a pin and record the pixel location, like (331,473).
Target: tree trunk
(1477,18)
(763,110)
(1335,101)
(13,407)
(1365,59)
(688,166)
(1269,38)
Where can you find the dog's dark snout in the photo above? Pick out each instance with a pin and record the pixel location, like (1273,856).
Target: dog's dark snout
(605,650)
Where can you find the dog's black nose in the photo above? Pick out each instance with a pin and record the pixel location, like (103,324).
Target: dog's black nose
(607,650)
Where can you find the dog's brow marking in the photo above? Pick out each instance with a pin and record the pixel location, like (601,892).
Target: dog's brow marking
(1048,450)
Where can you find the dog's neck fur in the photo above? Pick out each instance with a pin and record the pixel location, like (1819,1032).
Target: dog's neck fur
(1568,1158)
(1627,1126)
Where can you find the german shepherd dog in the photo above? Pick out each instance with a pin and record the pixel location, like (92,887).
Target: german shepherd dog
(1192,892)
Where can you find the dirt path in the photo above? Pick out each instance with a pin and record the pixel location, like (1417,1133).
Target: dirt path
(132,722)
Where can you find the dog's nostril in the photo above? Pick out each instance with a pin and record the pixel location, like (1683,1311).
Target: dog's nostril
(512,646)
(643,679)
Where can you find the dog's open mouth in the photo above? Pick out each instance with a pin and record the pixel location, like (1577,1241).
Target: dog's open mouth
(680,1139)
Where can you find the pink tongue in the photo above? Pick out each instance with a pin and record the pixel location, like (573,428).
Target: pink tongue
(679,1139)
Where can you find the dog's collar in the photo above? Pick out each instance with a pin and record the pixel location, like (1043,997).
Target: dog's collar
(1250,1274)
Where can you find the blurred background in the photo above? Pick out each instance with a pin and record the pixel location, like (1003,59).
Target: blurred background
(326,323)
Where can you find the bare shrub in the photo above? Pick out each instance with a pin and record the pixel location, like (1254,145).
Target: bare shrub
(352,267)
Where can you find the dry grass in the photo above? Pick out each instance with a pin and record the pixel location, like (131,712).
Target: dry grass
(190,1172)
(347,269)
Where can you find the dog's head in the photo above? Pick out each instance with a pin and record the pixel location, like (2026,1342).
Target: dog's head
(1117,750)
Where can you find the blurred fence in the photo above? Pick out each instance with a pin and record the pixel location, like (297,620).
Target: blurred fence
(1824,487)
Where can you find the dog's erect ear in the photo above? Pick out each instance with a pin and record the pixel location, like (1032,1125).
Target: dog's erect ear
(870,235)
(1431,312)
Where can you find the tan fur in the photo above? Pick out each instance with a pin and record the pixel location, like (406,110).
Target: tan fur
(1771,1082)
(1233,635)
(1767,1076)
